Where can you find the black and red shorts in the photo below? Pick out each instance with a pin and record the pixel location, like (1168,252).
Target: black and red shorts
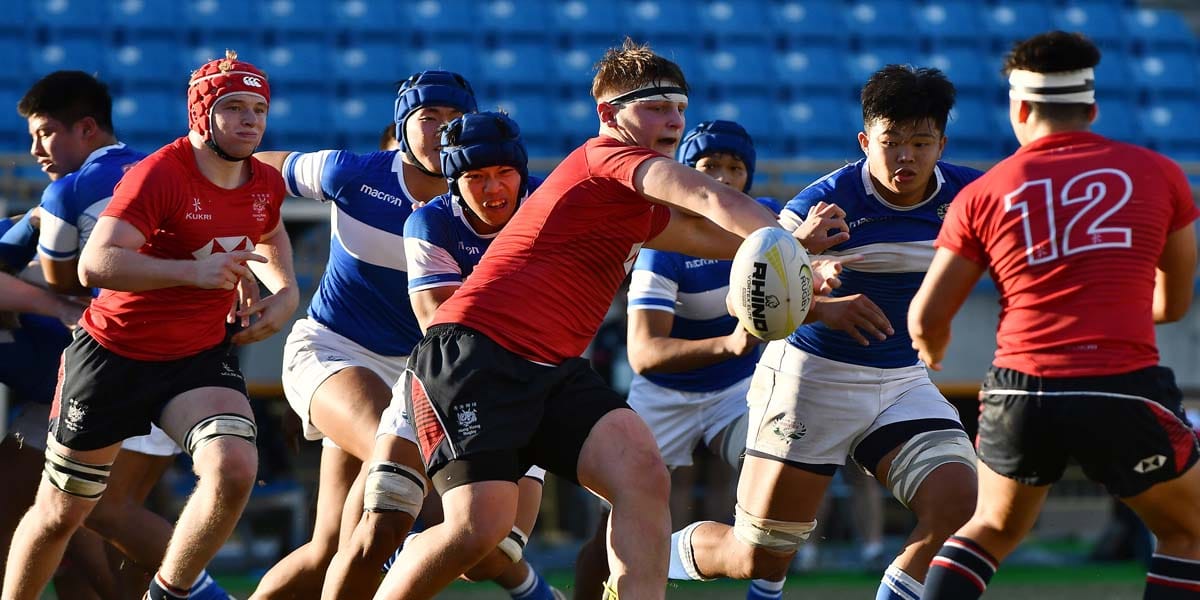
(104,398)
(1127,431)
(483,413)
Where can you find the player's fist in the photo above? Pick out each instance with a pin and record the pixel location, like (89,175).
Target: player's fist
(221,271)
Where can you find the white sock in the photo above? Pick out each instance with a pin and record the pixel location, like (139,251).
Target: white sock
(204,578)
(902,584)
(683,563)
(524,587)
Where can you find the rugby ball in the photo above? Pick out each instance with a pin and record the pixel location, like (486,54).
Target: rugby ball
(771,283)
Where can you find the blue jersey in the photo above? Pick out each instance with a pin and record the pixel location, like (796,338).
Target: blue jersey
(29,354)
(693,290)
(363,293)
(441,245)
(71,205)
(18,243)
(897,242)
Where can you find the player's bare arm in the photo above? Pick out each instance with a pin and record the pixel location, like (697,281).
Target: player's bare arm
(278,274)
(426,302)
(665,181)
(62,275)
(943,291)
(23,297)
(653,350)
(1173,280)
(273,158)
(111,260)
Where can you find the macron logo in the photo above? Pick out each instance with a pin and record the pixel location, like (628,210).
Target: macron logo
(381,195)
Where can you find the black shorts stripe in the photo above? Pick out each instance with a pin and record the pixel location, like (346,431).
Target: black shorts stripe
(827,470)
(383,467)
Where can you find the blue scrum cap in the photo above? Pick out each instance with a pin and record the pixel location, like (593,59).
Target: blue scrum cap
(486,139)
(431,88)
(719,136)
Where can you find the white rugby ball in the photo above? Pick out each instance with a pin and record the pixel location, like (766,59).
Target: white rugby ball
(771,283)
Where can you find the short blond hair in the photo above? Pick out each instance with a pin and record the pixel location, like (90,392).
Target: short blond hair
(630,67)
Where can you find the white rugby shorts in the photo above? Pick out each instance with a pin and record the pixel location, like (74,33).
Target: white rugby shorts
(812,410)
(313,353)
(680,420)
(155,443)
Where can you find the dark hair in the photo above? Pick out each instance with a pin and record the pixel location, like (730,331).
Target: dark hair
(387,137)
(67,97)
(907,94)
(1053,52)
(630,67)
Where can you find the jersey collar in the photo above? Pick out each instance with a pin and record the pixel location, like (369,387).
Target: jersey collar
(869,187)
(101,151)
(398,169)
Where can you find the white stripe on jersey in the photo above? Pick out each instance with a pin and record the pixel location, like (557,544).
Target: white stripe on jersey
(302,171)
(703,306)
(426,259)
(366,243)
(891,257)
(651,285)
(789,220)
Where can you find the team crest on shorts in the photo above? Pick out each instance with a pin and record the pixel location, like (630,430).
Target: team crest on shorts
(468,420)
(228,371)
(787,429)
(74,416)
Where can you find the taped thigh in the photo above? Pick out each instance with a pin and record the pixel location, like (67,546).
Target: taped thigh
(219,425)
(76,478)
(513,546)
(923,453)
(393,487)
(777,536)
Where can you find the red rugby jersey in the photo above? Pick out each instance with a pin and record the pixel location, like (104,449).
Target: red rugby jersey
(183,216)
(544,285)
(1071,227)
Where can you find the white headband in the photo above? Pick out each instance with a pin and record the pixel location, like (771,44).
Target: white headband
(651,92)
(1061,87)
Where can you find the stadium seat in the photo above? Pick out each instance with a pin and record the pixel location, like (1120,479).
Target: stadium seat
(192,57)
(15,70)
(1170,127)
(458,54)
(1114,74)
(820,127)
(371,18)
(530,111)
(287,18)
(818,68)
(364,113)
(743,64)
(514,19)
(950,23)
(880,21)
(574,121)
(1118,119)
(521,65)
(803,22)
(68,14)
(1159,29)
(964,68)
(301,60)
(145,62)
(1103,23)
(753,112)
(15,16)
(158,19)
(442,17)
(587,19)
(154,113)
(573,66)
(370,63)
(687,54)
(659,19)
(214,15)
(1166,73)
(76,52)
(14,131)
(298,112)
(727,19)
(971,130)
(863,64)
(1014,20)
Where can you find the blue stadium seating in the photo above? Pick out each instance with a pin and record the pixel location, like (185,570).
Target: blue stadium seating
(190,58)
(863,64)
(442,17)
(530,111)
(15,16)
(587,19)
(1113,76)
(1166,73)
(68,14)
(1170,127)
(459,54)
(1159,29)
(661,19)
(76,52)
(726,19)
(298,113)
(1118,119)
(950,23)
(744,64)
(145,62)
(215,15)
(363,114)
(963,67)
(299,61)
(686,53)
(801,22)
(819,68)
(145,16)
(14,131)
(1013,20)
(370,18)
(14,69)
(370,63)
(574,121)
(508,19)
(753,112)
(971,130)
(877,22)
(1103,23)
(820,127)
(290,17)
(523,65)
(151,113)
(573,67)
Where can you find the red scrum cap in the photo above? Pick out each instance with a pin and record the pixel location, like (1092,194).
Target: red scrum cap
(217,79)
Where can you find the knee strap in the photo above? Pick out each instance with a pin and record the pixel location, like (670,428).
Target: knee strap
(923,453)
(513,546)
(76,478)
(778,536)
(220,425)
(393,487)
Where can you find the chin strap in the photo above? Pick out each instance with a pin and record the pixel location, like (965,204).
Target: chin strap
(416,162)
(212,145)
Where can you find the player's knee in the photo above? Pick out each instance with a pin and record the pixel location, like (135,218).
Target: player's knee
(645,475)
(766,545)
(233,467)
(925,453)
(393,487)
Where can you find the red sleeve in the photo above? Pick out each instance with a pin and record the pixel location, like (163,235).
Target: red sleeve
(1184,208)
(618,161)
(146,196)
(959,234)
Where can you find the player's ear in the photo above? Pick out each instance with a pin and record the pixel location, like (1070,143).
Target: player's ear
(87,126)
(1093,112)
(607,113)
(1023,111)
(863,141)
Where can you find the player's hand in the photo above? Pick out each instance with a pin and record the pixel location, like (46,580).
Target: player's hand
(248,294)
(741,342)
(931,358)
(222,270)
(827,271)
(856,315)
(69,311)
(824,227)
(272,313)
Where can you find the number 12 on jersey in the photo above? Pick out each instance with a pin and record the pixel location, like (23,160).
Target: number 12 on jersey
(1102,192)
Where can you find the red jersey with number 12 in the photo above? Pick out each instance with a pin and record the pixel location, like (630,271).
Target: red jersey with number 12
(544,285)
(1071,228)
(183,216)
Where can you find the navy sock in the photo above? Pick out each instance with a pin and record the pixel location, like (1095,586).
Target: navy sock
(960,571)
(1172,578)
(160,590)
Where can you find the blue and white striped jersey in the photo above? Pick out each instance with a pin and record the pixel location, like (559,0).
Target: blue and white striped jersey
(363,293)
(898,244)
(694,290)
(441,246)
(71,205)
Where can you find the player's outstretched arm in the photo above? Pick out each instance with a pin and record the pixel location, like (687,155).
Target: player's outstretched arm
(943,291)
(279,275)
(1175,276)
(273,158)
(23,297)
(653,350)
(665,181)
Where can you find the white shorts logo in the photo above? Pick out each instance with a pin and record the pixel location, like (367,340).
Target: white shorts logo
(251,81)
(1150,463)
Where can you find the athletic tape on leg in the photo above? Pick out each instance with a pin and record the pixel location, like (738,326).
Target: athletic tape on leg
(393,487)
(923,453)
(513,546)
(76,478)
(221,425)
(780,536)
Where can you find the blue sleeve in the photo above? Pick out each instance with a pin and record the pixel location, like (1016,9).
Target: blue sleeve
(806,199)
(18,245)
(659,262)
